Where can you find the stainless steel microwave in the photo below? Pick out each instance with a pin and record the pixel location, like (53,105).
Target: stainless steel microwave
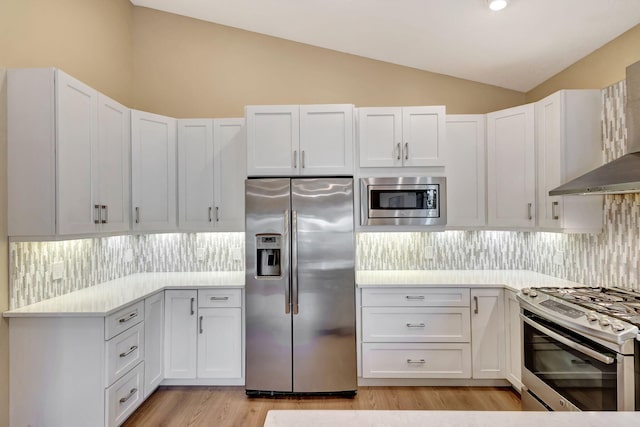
(403,201)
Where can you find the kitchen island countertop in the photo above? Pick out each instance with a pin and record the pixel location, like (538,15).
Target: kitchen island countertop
(511,279)
(108,297)
(319,418)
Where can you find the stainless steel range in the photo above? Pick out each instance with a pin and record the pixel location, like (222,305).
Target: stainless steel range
(580,349)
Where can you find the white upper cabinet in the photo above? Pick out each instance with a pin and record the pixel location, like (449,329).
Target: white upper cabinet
(211,173)
(79,181)
(511,171)
(290,140)
(466,171)
(401,136)
(153,167)
(568,144)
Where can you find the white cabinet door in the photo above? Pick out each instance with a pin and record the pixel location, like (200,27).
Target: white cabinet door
(326,139)
(380,136)
(487,333)
(511,168)
(153,164)
(465,171)
(219,343)
(195,174)
(153,342)
(423,138)
(513,339)
(273,140)
(568,145)
(181,334)
(114,182)
(229,141)
(77,155)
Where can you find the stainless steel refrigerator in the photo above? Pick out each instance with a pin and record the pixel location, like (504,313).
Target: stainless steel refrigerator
(300,286)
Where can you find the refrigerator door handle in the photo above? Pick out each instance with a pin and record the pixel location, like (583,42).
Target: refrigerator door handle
(294,259)
(287,284)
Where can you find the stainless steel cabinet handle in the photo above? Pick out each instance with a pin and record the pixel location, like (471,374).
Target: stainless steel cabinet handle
(295,159)
(294,259)
(530,211)
(200,323)
(131,394)
(193,300)
(137,215)
(128,352)
(302,159)
(210,218)
(475,301)
(406,151)
(569,343)
(128,317)
(217,214)
(287,284)
(419,297)
(96,214)
(416,361)
(398,151)
(219,298)
(554,213)
(106,214)
(415,325)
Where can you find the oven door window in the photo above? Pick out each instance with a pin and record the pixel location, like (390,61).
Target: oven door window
(588,383)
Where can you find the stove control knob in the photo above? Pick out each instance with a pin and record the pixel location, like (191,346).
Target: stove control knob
(605,322)
(619,327)
(533,294)
(525,291)
(592,316)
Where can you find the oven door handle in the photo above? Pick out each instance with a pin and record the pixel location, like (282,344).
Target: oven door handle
(572,344)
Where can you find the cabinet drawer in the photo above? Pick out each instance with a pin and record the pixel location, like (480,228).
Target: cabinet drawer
(415,297)
(123,319)
(415,324)
(416,361)
(124,351)
(219,298)
(123,397)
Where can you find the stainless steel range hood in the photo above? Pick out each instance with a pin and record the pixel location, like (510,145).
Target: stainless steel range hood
(621,175)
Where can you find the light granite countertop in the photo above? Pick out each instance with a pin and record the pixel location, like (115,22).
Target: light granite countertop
(106,298)
(319,418)
(511,279)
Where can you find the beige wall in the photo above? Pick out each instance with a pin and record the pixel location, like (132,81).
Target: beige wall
(189,68)
(89,39)
(4,246)
(598,70)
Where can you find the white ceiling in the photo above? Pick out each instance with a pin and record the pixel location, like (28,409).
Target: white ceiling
(517,48)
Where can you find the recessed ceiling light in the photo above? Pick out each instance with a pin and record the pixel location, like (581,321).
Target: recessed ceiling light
(497,4)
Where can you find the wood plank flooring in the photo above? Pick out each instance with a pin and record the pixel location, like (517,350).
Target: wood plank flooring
(229,406)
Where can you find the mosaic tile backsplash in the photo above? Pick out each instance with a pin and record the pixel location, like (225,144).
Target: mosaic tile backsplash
(611,258)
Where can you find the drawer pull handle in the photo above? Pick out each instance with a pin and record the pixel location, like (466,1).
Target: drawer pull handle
(419,297)
(415,325)
(219,298)
(128,352)
(131,394)
(130,316)
(420,361)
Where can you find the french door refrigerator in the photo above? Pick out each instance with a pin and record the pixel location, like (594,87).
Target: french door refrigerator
(300,286)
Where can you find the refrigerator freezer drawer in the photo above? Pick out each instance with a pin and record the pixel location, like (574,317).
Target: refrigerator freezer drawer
(449,360)
(416,324)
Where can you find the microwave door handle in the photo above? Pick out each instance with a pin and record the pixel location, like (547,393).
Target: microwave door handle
(569,343)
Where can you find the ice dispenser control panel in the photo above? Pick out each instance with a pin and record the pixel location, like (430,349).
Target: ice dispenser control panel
(268,256)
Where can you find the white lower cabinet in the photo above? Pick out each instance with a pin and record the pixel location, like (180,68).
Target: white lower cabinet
(203,330)
(487,333)
(513,337)
(153,342)
(123,397)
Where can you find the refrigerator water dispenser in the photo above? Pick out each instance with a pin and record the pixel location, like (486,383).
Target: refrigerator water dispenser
(268,256)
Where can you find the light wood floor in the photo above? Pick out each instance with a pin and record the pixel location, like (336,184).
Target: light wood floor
(229,406)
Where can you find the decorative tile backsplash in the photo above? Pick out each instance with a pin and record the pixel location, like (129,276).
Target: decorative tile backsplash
(611,258)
